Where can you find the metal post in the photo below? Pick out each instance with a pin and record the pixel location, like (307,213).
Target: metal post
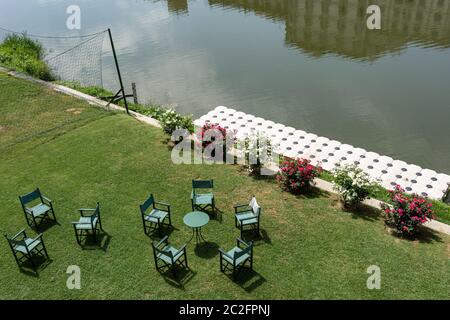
(118,71)
(135,99)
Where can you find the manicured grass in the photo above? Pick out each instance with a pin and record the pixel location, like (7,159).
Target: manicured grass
(309,247)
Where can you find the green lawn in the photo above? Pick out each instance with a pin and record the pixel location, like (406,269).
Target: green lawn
(78,154)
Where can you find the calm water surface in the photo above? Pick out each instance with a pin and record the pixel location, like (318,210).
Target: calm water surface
(310,64)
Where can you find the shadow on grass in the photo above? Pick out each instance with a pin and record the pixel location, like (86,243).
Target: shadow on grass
(46,224)
(425,235)
(312,193)
(257,238)
(206,250)
(40,263)
(249,280)
(182,278)
(102,243)
(428,236)
(217,215)
(362,211)
(165,231)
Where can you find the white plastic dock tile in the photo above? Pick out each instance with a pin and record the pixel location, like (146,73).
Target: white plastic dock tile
(331,153)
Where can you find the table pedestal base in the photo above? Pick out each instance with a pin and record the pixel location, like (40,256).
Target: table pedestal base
(197,233)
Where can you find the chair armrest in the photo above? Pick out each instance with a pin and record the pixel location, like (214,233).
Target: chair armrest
(46,199)
(238,208)
(83,210)
(38,237)
(222,252)
(78,222)
(183,248)
(163,240)
(163,204)
(28,210)
(21,232)
(192,194)
(240,241)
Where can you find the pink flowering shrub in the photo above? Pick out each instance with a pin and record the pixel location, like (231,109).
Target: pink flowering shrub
(209,134)
(407,213)
(295,175)
(214,127)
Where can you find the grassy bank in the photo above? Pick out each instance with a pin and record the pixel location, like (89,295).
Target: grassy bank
(78,154)
(23,54)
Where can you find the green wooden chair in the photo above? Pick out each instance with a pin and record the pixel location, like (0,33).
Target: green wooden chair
(155,219)
(169,257)
(89,223)
(248,216)
(237,258)
(37,208)
(203,200)
(25,248)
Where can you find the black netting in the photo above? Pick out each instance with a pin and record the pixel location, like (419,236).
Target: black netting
(74,58)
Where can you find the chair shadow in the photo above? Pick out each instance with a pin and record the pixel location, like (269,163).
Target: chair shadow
(206,250)
(166,231)
(45,225)
(184,276)
(41,263)
(102,243)
(257,238)
(216,215)
(249,280)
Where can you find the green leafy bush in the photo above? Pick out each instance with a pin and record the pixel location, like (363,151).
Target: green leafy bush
(171,120)
(23,54)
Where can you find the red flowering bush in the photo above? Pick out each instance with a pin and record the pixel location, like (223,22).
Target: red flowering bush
(214,133)
(407,212)
(295,175)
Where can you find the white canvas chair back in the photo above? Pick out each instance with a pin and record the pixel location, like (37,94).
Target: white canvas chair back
(255,206)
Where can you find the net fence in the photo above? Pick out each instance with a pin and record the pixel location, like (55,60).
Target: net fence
(71,58)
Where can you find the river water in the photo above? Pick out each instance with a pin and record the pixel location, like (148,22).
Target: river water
(310,64)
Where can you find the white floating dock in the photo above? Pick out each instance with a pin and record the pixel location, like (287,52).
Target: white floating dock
(331,153)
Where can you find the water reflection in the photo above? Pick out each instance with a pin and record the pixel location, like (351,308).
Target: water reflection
(320,27)
(179,7)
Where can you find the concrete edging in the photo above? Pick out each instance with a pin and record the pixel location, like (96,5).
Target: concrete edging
(82,96)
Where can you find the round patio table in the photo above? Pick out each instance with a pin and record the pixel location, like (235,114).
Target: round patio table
(196,220)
